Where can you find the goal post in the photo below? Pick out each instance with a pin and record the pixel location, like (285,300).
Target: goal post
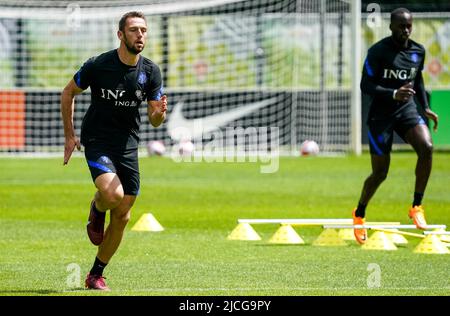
(356,116)
(289,64)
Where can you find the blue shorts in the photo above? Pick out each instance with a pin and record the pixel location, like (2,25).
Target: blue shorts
(381,129)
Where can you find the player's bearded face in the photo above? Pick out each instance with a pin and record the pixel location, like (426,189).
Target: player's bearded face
(134,46)
(134,35)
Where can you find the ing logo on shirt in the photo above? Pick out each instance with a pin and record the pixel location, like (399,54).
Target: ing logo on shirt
(116,95)
(109,94)
(402,74)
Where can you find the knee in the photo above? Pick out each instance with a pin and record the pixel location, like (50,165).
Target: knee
(426,150)
(113,197)
(380,175)
(120,220)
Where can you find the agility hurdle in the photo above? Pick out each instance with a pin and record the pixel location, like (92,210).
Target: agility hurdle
(286,234)
(430,244)
(309,221)
(396,236)
(399,232)
(384,226)
(300,221)
(436,233)
(330,237)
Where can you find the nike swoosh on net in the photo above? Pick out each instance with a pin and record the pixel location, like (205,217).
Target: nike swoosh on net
(208,123)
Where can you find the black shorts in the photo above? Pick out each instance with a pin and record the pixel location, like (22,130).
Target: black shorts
(381,129)
(102,159)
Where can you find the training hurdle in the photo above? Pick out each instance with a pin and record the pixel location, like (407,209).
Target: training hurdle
(299,221)
(287,235)
(436,233)
(375,226)
(392,233)
(399,232)
(431,243)
(443,235)
(386,235)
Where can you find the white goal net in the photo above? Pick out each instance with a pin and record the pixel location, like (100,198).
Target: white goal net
(229,64)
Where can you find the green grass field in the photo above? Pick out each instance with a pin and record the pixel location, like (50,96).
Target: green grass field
(44,209)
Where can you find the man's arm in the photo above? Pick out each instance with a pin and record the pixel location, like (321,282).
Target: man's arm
(67,108)
(156,111)
(421,95)
(369,84)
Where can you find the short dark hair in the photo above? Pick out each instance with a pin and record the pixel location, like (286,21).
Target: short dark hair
(131,14)
(398,12)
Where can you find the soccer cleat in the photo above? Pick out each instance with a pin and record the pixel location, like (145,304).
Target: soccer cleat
(96,282)
(360,234)
(417,214)
(95,226)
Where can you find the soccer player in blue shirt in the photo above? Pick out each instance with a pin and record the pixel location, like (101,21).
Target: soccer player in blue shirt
(120,80)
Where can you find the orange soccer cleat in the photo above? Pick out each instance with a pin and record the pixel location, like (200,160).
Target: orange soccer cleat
(417,214)
(360,234)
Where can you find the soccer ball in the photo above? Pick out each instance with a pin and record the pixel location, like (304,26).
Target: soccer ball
(186,148)
(309,148)
(156,147)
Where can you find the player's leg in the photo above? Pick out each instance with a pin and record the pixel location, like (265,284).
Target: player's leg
(381,135)
(420,139)
(109,193)
(380,142)
(128,172)
(108,196)
(412,128)
(380,169)
(109,189)
(119,217)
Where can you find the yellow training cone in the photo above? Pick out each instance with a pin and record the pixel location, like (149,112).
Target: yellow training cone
(329,237)
(286,235)
(379,241)
(397,239)
(243,231)
(347,234)
(147,223)
(431,244)
(445,238)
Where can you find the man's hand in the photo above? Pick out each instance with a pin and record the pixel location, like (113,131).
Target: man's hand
(69,147)
(157,111)
(161,106)
(405,92)
(432,116)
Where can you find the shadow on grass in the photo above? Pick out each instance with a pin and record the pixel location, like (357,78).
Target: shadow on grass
(282,245)
(39,292)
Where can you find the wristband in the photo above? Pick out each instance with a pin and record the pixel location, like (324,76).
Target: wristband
(393,95)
